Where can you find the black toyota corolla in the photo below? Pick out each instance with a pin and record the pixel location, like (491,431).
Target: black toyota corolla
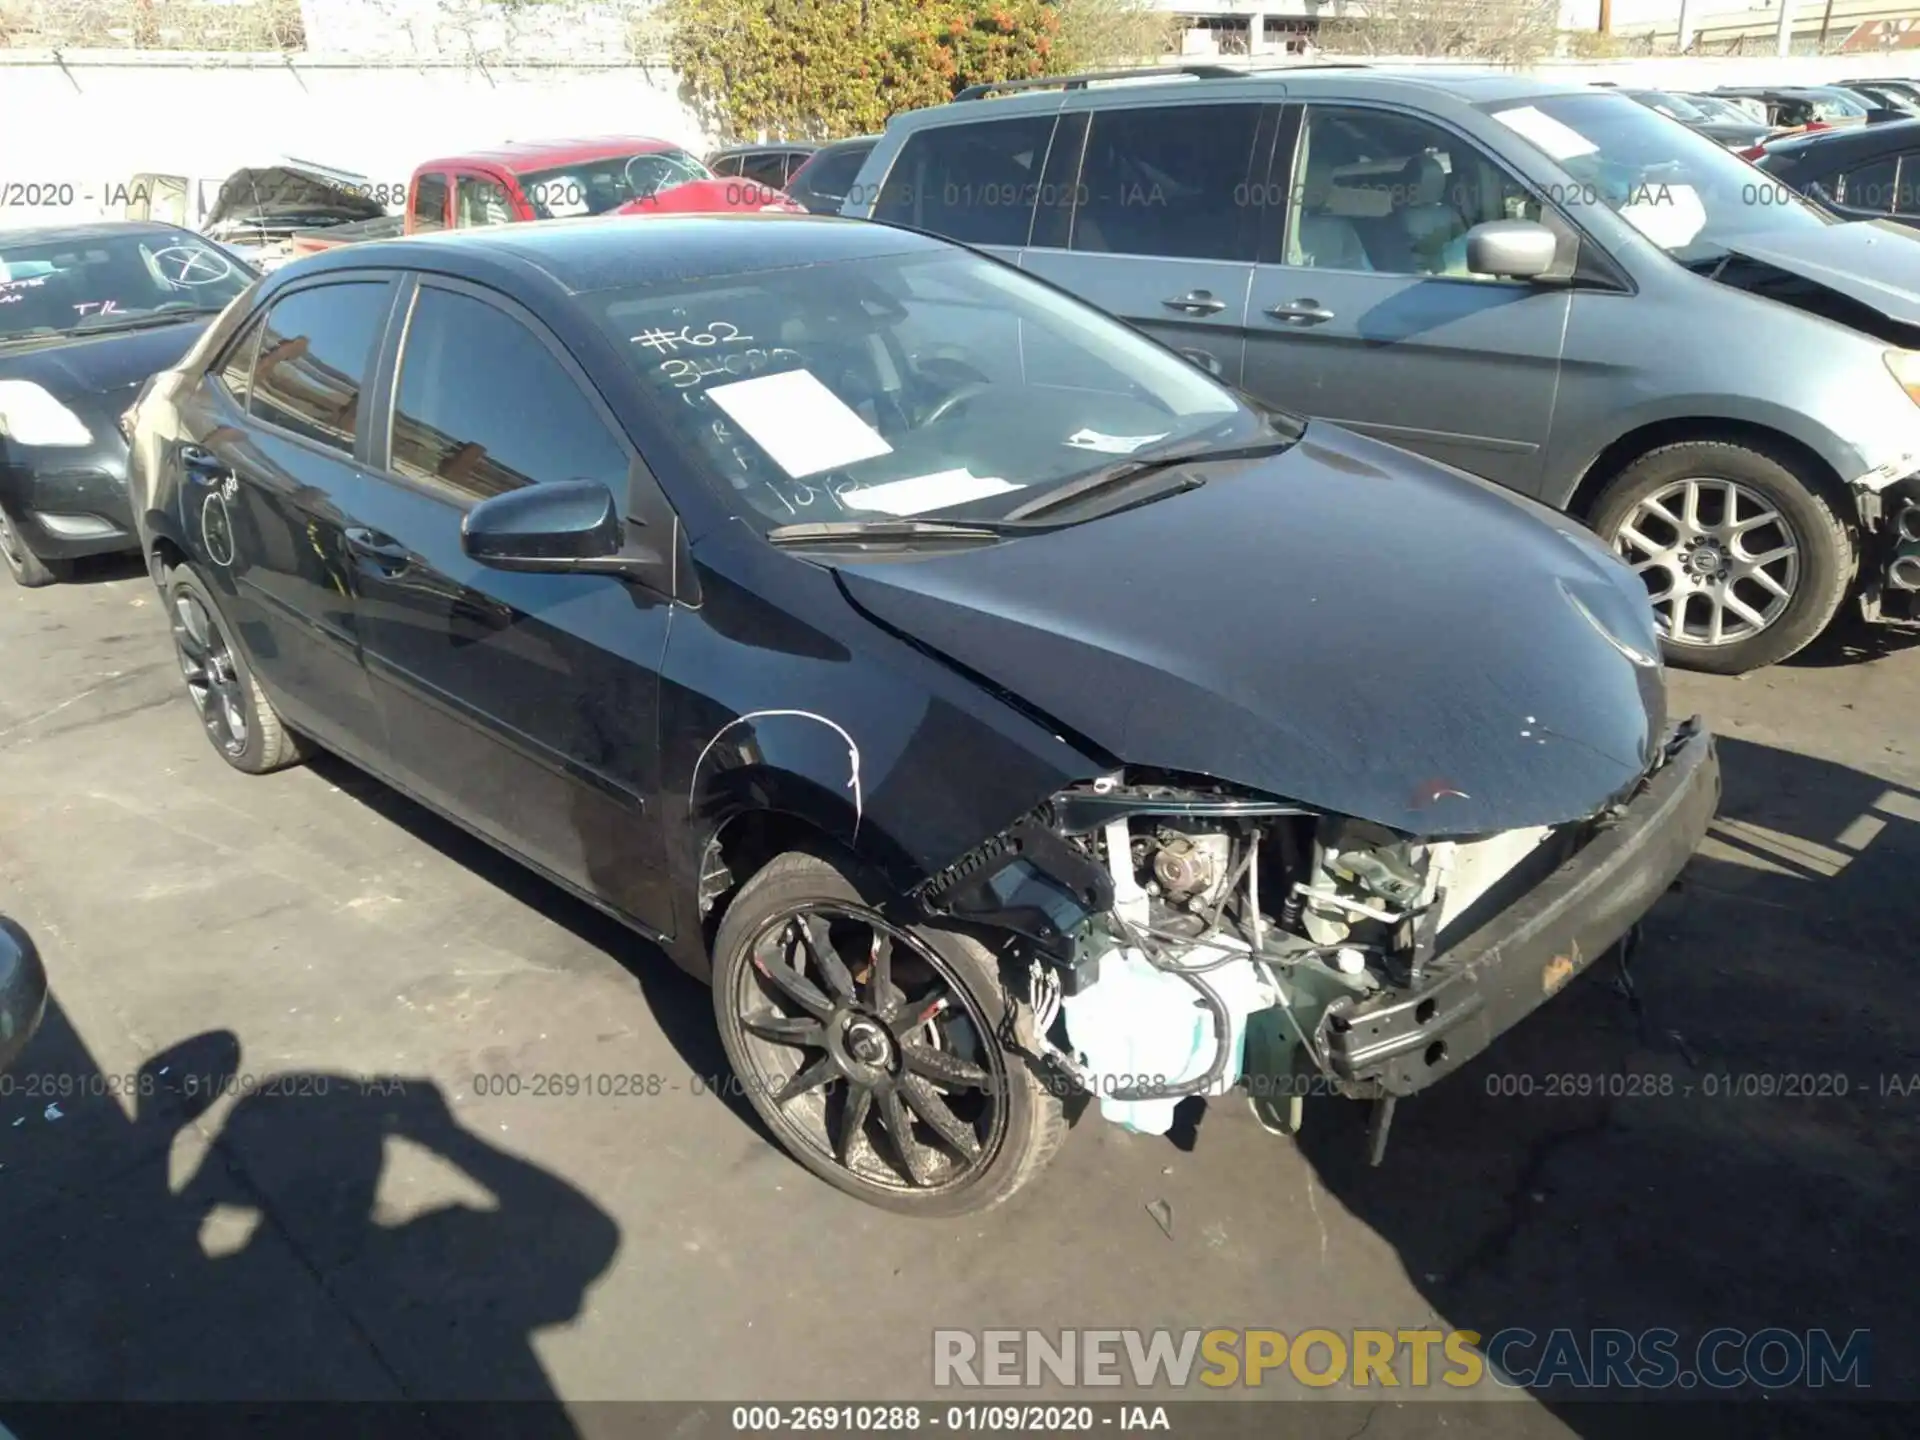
(87,313)
(990,704)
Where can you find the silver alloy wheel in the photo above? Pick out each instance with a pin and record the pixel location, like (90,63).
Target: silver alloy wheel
(213,680)
(1720,563)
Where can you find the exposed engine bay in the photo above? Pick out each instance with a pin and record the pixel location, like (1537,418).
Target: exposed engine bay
(1186,939)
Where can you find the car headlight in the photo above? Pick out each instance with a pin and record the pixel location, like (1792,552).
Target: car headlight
(1905,366)
(30,415)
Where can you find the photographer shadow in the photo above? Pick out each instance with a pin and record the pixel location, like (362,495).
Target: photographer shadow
(1757,1171)
(273,1255)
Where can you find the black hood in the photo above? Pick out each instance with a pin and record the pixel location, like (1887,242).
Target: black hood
(1344,625)
(96,373)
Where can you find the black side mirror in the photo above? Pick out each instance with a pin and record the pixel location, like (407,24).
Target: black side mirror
(566,526)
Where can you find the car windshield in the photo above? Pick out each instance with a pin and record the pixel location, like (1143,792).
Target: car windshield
(1836,105)
(1719,109)
(1671,105)
(84,284)
(1688,194)
(907,385)
(594,187)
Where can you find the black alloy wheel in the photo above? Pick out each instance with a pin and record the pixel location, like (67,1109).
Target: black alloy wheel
(870,1047)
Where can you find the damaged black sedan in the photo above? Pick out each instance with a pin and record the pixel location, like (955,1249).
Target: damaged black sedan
(989,703)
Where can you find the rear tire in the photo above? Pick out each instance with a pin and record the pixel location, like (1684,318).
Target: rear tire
(239,720)
(28,570)
(863,1025)
(1745,555)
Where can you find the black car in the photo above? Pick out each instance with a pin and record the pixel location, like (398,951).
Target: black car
(772,164)
(87,313)
(1870,173)
(988,701)
(824,182)
(1733,134)
(23,991)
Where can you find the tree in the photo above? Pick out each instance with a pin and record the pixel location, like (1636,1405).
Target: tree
(821,69)
(1507,32)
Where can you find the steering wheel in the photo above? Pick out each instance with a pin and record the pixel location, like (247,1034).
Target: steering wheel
(953,400)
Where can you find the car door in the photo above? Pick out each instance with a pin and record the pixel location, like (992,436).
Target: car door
(1366,313)
(271,485)
(1145,212)
(524,705)
(975,181)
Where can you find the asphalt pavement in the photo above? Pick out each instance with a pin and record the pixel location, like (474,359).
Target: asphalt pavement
(279,1138)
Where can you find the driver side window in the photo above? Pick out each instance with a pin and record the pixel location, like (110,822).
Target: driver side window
(1392,194)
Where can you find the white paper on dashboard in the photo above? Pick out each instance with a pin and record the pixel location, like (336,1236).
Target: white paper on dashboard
(802,424)
(922,493)
(1084,439)
(1668,215)
(1560,141)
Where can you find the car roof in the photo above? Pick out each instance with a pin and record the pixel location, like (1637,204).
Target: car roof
(86,230)
(584,255)
(519,156)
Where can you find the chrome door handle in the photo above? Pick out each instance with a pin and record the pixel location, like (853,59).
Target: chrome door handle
(1195,302)
(1300,312)
(1207,362)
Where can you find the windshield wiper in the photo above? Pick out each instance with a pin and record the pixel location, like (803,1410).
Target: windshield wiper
(1127,471)
(827,531)
(86,326)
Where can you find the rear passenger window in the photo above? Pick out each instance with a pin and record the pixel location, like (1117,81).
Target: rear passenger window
(1872,187)
(973,183)
(726,165)
(479,200)
(484,407)
(429,203)
(315,350)
(1168,180)
(767,170)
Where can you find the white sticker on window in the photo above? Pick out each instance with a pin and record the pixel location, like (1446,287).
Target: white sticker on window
(1084,439)
(1559,140)
(802,424)
(922,493)
(1668,215)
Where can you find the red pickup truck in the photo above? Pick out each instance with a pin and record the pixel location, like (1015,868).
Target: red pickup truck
(551,180)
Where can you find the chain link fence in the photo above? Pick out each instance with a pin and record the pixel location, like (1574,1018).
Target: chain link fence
(500,32)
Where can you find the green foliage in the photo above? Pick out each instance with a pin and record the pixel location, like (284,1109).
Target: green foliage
(821,69)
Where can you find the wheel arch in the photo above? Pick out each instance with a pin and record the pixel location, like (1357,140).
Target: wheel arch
(1654,435)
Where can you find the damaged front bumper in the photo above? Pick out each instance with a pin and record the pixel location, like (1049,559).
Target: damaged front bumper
(1403,1040)
(1890,552)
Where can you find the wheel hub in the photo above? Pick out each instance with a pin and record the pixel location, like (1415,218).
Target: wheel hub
(1704,560)
(867,1042)
(1720,561)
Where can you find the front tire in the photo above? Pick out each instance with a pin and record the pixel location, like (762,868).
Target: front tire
(236,714)
(1745,557)
(28,570)
(871,1047)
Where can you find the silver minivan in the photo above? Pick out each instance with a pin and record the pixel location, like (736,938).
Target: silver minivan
(1547,285)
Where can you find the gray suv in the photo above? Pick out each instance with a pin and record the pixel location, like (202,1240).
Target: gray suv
(1548,285)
